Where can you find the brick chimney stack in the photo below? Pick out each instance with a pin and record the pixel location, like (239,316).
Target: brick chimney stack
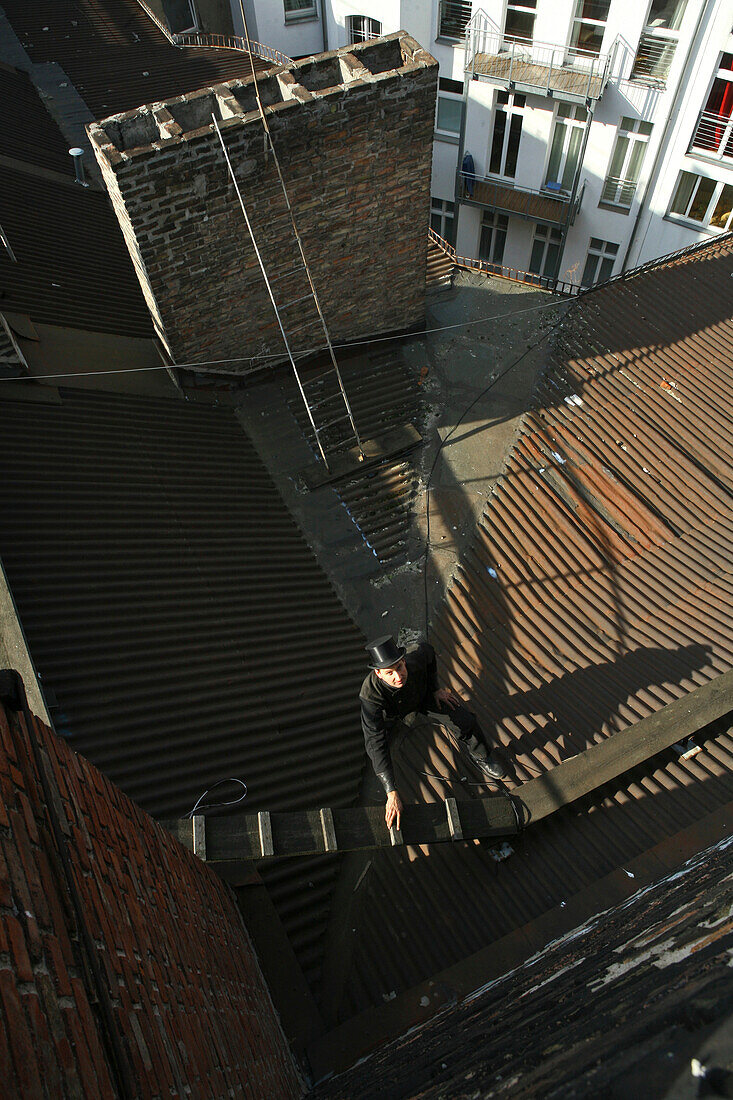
(353,131)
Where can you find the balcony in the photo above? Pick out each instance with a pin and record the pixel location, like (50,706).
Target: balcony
(544,68)
(713,136)
(522,202)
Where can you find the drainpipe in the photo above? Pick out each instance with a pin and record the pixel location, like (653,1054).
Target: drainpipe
(671,118)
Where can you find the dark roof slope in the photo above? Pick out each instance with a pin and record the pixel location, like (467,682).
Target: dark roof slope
(115,55)
(70,266)
(179,616)
(27,131)
(620,1005)
(188,1009)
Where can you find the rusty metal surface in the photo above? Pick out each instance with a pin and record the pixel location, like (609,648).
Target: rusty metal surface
(178,617)
(115,55)
(596,590)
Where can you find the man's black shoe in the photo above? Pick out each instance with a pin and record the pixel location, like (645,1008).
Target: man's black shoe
(490,765)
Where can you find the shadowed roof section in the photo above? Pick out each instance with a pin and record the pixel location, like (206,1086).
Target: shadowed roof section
(179,617)
(115,55)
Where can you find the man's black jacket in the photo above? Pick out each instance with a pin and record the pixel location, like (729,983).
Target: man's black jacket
(382,706)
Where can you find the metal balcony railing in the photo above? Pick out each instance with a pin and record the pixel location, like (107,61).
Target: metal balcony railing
(453,17)
(653,60)
(713,136)
(544,67)
(618,191)
(523,202)
(230,42)
(514,274)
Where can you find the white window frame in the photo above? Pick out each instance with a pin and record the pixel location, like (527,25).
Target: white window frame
(445,210)
(716,196)
(370,28)
(620,190)
(523,7)
(510,109)
(494,228)
(578,21)
(448,134)
(604,254)
(569,124)
(548,235)
(307,10)
(658,40)
(460,10)
(724,149)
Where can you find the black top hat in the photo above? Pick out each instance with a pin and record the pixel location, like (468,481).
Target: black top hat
(384,653)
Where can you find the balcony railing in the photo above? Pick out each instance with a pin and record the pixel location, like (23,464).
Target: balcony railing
(713,136)
(514,274)
(618,191)
(522,202)
(230,42)
(543,67)
(653,60)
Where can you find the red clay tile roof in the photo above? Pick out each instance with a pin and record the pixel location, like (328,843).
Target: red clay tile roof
(115,55)
(188,1007)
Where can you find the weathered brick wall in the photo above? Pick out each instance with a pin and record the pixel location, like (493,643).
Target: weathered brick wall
(353,132)
(189,1006)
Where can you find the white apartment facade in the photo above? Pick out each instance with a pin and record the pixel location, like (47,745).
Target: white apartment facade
(574,138)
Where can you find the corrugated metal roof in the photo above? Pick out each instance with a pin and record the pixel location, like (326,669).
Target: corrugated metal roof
(596,590)
(179,617)
(27,131)
(71,265)
(115,55)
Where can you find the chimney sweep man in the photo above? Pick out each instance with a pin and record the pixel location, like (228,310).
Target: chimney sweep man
(404,682)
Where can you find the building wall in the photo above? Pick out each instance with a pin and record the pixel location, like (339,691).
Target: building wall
(188,1012)
(353,133)
(673,109)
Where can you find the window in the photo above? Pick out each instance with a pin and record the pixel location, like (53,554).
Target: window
(453,18)
(589,25)
(628,154)
(181,16)
(299,9)
(600,261)
(507,132)
(441,217)
(449,110)
(545,258)
(494,229)
(699,199)
(361,28)
(714,131)
(658,42)
(567,139)
(520,16)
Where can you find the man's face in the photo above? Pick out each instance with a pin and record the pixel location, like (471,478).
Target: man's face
(396,676)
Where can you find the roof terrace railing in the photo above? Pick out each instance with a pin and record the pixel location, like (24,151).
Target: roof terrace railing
(545,66)
(713,136)
(513,274)
(216,41)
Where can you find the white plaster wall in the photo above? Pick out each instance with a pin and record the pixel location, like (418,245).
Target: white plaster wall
(266,23)
(443,183)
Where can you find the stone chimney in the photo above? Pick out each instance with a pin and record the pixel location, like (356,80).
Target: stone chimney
(353,132)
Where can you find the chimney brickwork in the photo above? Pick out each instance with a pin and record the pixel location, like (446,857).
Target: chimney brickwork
(353,132)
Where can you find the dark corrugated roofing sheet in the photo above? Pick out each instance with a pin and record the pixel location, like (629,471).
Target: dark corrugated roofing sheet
(70,266)
(27,131)
(179,617)
(597,589)
(115,55)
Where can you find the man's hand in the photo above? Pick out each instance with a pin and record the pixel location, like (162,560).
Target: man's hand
(445,695)
(393,809)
